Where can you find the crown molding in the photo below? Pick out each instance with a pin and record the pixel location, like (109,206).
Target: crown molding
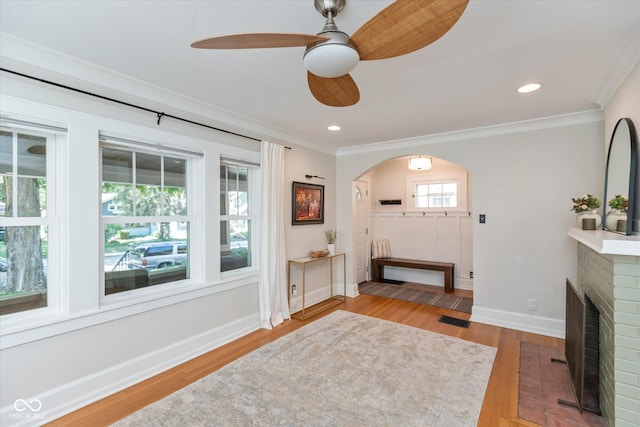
(589,116)
(65,69)
(56,66)
(629,59)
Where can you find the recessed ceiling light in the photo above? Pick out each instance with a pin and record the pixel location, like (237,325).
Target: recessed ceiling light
(530,87)
(334,128)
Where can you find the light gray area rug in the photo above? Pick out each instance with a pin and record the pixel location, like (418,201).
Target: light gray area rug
(344,369)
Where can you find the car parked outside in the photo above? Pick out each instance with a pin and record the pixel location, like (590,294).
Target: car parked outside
(158,255)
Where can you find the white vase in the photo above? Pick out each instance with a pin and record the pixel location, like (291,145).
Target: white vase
(590,214)
(611,221)
(332,248)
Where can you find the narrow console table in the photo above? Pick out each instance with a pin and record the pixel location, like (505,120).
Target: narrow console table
(333,300)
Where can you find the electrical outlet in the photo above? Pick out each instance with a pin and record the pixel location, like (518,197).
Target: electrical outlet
(294,290)
(531,304)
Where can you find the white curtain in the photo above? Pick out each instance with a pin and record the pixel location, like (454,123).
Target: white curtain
(274,305)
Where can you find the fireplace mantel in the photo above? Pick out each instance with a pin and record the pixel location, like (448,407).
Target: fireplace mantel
(609,274)
(606,242)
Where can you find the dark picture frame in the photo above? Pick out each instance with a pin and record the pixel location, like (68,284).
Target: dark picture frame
(307,203)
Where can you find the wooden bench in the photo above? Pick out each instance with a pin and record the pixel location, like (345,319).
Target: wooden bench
(446,267)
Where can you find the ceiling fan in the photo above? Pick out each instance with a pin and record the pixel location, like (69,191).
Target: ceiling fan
(402,27)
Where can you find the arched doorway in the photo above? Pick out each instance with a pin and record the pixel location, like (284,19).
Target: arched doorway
(425,214)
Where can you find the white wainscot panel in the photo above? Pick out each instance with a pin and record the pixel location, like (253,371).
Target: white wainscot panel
(384,227)
(402,240)
(425,237)
(448,238)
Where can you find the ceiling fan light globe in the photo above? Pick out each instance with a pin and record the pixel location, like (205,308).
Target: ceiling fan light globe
(330,60)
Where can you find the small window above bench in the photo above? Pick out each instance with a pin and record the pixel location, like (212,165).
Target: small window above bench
(437,192)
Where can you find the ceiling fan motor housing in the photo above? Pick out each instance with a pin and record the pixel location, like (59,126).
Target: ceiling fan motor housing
(324,6)
(334,57)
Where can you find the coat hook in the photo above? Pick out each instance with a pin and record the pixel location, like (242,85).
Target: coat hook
(423,213)
(445,213)
(403,213)
(469,213)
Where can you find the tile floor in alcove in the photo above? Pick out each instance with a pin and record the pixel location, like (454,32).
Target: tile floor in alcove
(542,383)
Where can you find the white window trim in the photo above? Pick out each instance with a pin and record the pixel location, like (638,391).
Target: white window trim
(55,177)
(150,293)
(82,311)
(459,178)
(253,170)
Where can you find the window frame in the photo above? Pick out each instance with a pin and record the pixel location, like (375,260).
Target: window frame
(253,202)
(458,178)
(192,158)
(55,167)
(78,193)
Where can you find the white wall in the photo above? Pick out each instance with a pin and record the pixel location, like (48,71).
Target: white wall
(301,239)
(524,176)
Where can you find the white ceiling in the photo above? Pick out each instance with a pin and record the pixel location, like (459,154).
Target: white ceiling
(466,79)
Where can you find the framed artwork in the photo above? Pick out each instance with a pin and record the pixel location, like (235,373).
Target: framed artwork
(307,203)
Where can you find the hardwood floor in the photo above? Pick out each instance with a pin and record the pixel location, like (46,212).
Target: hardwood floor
(500,403)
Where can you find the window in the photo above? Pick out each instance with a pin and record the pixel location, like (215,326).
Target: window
(235,216)
(437,192)
(28,237)
(439,195)
(144,215)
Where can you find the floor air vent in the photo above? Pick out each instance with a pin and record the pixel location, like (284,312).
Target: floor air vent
(454,321)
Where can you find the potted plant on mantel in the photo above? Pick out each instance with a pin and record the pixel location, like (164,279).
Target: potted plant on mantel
(619,207)
(586,208)
(331,240)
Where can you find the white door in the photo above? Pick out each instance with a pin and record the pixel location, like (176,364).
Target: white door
(360,195)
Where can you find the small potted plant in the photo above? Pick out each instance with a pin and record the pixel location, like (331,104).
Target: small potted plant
(586,207)
(619,203)
(619,207)
(586,203)
(331,240)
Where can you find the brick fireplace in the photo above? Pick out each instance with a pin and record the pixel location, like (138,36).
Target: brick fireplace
(609,275)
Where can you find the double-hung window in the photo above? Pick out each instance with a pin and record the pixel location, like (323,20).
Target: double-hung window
(29,213)
(236,218)
(145,214)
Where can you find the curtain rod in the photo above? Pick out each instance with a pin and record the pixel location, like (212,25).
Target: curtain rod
(158,114)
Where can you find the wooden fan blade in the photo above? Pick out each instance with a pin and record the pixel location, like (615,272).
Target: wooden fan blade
(257,40)
(406,26)
(334,92)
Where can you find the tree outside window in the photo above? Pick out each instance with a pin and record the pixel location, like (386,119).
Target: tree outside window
(24,220)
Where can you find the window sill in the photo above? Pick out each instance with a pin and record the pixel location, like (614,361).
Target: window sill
(17,329)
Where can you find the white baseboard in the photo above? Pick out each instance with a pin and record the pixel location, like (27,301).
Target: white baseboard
(520,322)
(75,395)
(352,290)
